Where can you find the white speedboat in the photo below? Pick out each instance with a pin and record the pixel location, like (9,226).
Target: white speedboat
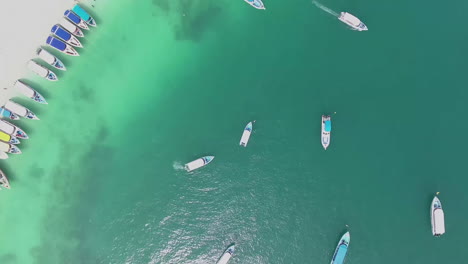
(42,71)
(3,155)
(4,180)
(8,148)
(20,110)
(352,21)
(246,135)
(326,130)
(27,91)
(341,249)
(437,217)
(72,28)
(50,59)
(65,36)
(13,130)
(258,4)
(198,163)
(224,259)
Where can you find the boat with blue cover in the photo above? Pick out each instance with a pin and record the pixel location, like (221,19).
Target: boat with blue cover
(75,19)
(224,259)
(7,113)
(20,110)
(84,15)
(13,130)
(4,180)
(326,131)
(258,4)
(246,134)
(27,91)
(66,36)
(70,27)
(61,46)
(341,249)
(50,59)
(198,163)
(42,71)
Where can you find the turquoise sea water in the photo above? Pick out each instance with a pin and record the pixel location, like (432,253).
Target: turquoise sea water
(160,83)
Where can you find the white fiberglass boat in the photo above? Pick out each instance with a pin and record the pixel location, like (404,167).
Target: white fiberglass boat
(12,130)
(4,180)
(198,163)
(352,21)
(27,91)
(326,130)
(246,135)
(341,249)
(224,259)
(72,28)
(437,217)
(5,147)
(258,4)
(50,59)
(42,71)
(20,110)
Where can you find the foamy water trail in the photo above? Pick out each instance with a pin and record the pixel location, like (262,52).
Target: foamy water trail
(177,165)
(326,9)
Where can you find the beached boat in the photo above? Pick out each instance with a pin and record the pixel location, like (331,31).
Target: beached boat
(42,71)
(198,163)
(61,46)
(8,148)
(50,59)
(7,113)
(66,36)
(20,110)
(84,15)
(258,4)
(4,180)
(224,259)
(246,135)
(27,91)
(72,28)
(3,155)
(8,138)
(326,130)
(13,130)
(352,21)
(341,249)
(437,217)
(75,19)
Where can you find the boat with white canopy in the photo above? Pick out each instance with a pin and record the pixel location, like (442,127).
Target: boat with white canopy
(224,259)
(50,59)
(246,134)
(20,110)
(352,21)
(198,163)
(42,71)
(13,130)
(29,92)
(437,217)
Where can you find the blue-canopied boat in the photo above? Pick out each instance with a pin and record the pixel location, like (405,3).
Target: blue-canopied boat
(75,19)
(7,113)
(13,130)
(50,59)
(28,91)
(72,28)
(258,4)
(61,46)
(42,71)
(326,131)
(66,36)
(84,15)
(341,249)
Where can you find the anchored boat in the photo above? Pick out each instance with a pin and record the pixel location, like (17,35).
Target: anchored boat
(258,4)
(84,15)
(42,71)
(20,110)
(75,19)
(61,46)
(66,36)
(13,130)
(7,113)
(72,28)
(352,21)
(437,217)
(4,180)
(27,91)
(5,147)
(8,138)
(50,59)
(326,130)
(246,134)
(224,259)
(341,249)
(198,163)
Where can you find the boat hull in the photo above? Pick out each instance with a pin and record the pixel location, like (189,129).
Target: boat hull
(27,91)
(13,130)
(50,59)
(437,218)
(341,249)
(258,4)
(20,110)
(7,113)
(61,46)
(72,17)
(352,21)
(326,135)
(78,10)
(4,180)
(246,134)
(42,71)
(72,28)
(198,163)
(224,259)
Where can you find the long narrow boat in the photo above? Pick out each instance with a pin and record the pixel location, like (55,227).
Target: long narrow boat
(84,15)
(75,19)
(66,36)
(246,134)
(352,21)
(50,59)
(198,163)
(42,71)
(3,155)
(72,28)
(4,180)
(224,259)
(7,113)
(437,217)
(61,46)
(13,130)
(20,110)
(326,130)
(341,249)
(8,138)
(258,4)
(8,148)
(27,91)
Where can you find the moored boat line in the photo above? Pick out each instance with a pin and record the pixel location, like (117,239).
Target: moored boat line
(29,92)
(4,180)
(20,110)
(50,59)
(66,36)
(75,19)
(42,71)
(78,10)
(352,21)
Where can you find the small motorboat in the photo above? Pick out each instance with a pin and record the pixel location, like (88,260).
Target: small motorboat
(3,155)
(61,46)
(4,180)
(50,59)
(8,148)
(75,19)
(66,36)
(84,15)
(326,130)
(246,135)
(258,4)
(72,28)
(20,110)
(198,163)
(27,91)
(42,71)
(8,138)
(7,113)
(13,130)
(224,259)
(352,21)
(437,217)
(341,249)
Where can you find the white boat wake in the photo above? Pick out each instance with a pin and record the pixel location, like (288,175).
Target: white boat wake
(177,166)
(326,9)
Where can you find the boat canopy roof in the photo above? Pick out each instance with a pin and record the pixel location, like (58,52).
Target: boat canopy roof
(439,221)
(352,19)
(61,33)
(74,18)
(328,125)
(81,12)
(341,254)
(52,41)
